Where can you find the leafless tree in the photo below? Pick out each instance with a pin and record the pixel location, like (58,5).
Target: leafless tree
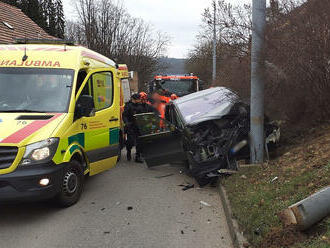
(73,31)
(107,27)
(297,56)
(233,24)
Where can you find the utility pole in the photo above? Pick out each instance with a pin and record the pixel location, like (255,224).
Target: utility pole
(214,72)
(257,81)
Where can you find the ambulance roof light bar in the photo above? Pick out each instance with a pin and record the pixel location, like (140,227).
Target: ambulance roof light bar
(45,41)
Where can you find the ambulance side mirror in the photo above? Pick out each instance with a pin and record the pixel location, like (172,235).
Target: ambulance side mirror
(85,107)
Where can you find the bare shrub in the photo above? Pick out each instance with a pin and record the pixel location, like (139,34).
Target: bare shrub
(105,26)
(297,87)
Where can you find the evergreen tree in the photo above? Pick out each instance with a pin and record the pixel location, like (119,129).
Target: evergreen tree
(32,8)
(47,14)
(54,14)
(11,2)
(60,19)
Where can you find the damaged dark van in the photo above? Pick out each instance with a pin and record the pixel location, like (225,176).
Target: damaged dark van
(208,130)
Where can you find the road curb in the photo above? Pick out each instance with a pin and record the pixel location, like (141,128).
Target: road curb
(238,239)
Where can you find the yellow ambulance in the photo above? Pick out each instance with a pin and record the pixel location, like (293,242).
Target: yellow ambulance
(60,120)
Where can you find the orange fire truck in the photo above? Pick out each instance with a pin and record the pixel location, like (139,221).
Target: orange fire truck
(180,85)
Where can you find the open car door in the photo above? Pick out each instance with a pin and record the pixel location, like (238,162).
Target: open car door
(160,141)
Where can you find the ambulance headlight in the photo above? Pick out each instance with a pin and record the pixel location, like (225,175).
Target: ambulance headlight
(41,154)
(42,151)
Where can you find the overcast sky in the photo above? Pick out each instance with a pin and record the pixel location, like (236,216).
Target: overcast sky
(180,19)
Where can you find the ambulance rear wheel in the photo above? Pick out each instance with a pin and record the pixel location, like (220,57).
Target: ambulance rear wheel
(71,185)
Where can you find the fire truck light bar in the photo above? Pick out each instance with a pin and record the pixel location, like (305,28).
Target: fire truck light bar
(175,77)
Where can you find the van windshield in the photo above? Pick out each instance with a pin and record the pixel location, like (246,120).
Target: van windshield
(35,90)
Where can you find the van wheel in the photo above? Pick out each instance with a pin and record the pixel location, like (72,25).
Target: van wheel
(71,185)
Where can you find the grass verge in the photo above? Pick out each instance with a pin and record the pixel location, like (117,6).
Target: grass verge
(257,195)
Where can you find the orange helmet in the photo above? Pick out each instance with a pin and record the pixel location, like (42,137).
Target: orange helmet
(173,97)
(143,95)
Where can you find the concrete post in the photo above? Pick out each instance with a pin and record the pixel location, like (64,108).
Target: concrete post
(309,211)
(214,71)
(257,81)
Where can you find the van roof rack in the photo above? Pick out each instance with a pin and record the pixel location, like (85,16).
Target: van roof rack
(45,41)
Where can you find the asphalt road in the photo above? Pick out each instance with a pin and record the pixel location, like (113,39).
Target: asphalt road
(162,215)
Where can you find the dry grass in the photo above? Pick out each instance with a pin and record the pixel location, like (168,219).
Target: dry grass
(302,169)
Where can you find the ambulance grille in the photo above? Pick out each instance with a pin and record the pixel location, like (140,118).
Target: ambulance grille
(7,156)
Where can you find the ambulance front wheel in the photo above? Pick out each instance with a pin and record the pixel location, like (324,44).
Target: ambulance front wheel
(71,185)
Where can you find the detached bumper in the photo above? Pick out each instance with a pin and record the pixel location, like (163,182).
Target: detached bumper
(23,183)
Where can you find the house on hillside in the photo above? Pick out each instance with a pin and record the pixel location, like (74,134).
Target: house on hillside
(14,24)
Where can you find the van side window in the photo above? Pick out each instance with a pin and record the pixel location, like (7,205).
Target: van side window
(102,89)
(80,79)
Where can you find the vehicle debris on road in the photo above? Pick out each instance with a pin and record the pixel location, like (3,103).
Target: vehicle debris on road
(205,204)
(167,175)
(186,187)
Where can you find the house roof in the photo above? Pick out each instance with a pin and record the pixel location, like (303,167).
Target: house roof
(14,24)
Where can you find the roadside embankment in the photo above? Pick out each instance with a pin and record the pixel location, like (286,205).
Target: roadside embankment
(258,194)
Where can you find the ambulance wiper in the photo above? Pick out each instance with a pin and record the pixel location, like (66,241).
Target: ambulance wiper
(21,111)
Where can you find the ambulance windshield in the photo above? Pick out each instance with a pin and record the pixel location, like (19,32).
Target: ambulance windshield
(35,90)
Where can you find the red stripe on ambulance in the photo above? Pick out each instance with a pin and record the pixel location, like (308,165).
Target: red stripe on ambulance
(28,130)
